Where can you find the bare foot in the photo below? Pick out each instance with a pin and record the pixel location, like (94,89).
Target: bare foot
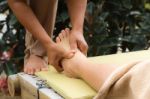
(68,64)
(63,39)
(35,64)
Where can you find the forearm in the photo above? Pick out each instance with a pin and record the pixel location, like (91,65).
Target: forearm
(29,20)
(76,10)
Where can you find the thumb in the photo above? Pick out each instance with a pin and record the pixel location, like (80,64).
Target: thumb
(83,47)
(69,54)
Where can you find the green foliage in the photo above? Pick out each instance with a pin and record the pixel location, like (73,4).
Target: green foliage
(109,25)
(113,24)
(12,41)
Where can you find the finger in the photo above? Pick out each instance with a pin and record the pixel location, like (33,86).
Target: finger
(70,54)
(83,47)
(84,50)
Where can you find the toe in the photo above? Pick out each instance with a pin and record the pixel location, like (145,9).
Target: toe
(25,70)
(58,40)
(61,36)
(67,30)
(28,71)
(64,34)
(32,71)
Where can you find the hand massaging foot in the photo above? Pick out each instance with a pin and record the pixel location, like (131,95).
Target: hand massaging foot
(70,66)
(79,66)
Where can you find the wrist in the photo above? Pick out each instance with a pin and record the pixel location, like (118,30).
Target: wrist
(78,28)
(77,31)
(48,44)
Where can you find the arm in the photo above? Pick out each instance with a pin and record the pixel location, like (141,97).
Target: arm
(29,20)
(76,10)
(31,23)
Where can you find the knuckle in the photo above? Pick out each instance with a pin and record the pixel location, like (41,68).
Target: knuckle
(85,46)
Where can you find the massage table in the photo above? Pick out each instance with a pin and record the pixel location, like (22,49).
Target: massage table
(53,85)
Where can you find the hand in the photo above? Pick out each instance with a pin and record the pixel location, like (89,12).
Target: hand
(56,53)
(77,41)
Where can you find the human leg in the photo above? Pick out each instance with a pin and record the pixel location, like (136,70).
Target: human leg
(79,66)
(45,11)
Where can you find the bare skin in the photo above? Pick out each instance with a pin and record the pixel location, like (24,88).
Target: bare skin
(77,12)
(21,9)
(79,66)
(33,60)
(40,30)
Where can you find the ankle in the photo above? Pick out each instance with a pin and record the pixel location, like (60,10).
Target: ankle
(71,68)
(75,65)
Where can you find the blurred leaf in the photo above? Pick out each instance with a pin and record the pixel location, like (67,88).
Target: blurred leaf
(90,8)
(3,6)
(147,6)
(12,20)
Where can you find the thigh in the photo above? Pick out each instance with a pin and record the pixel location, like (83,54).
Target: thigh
(45,11)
